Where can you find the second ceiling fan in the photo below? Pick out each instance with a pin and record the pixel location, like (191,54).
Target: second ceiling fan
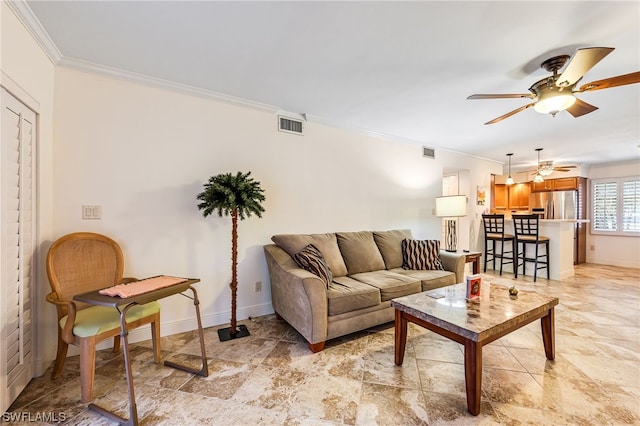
(556,92)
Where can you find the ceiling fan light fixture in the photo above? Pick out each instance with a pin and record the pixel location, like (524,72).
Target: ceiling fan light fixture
(545,171)
(552,101)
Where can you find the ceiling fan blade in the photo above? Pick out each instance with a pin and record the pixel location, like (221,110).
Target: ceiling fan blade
(564,168)
(582,61)
(620,80)
(580,108)
(509,114)
(502,96)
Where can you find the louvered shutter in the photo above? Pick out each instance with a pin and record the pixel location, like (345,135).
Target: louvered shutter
(17,212)
(631,205)
(605,206)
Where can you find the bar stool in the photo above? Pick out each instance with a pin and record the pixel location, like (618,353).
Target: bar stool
(494,232)
(526,228)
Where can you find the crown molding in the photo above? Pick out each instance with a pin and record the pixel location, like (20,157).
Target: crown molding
(35,28)
(32,24)
(394,138)
(164,84)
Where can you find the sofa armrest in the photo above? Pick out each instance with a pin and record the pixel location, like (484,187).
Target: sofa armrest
(454,262)
(297,295)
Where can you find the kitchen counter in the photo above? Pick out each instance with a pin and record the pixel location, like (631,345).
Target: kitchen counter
(564,220)
(561,233)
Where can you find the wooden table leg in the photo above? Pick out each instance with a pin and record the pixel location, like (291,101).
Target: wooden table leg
(473,375)
(475,264)
(400,337)
(548,334)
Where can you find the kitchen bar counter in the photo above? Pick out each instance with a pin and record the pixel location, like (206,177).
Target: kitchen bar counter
(565,220)
(561,233)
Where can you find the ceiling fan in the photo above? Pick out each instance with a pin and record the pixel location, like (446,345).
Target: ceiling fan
(545,168)
(556,92)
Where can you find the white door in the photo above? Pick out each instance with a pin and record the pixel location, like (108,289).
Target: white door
(17,270)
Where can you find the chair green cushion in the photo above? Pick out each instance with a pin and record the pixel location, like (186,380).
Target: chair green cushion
(98,319)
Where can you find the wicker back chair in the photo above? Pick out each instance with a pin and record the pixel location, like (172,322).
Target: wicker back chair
(82,262)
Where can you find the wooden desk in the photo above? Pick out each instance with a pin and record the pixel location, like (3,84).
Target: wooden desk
(95,298)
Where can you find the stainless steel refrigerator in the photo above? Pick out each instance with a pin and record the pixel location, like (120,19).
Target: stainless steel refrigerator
(554,205)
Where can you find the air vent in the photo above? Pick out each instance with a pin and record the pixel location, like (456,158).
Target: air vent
(428,152)
(289,125)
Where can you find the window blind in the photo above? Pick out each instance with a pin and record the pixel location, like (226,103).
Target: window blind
(616,206)
(631,205)
(605,202)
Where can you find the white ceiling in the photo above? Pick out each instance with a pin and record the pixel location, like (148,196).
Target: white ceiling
(402,69)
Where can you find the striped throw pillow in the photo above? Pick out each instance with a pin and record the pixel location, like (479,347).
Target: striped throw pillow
(421,254)
(311,259)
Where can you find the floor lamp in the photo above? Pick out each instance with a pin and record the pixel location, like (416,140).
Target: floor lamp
(451,207)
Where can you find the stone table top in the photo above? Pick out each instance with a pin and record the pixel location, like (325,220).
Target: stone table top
(476,320)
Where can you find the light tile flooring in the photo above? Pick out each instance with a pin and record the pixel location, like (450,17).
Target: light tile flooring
(272,378)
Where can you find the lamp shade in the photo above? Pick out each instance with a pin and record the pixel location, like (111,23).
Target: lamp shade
(451,206)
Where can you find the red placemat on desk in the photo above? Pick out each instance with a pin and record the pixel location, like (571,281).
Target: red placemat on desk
(139,287)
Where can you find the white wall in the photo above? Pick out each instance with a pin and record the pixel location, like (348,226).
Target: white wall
(472,173)
(613,250)
(26,67)
(143,153)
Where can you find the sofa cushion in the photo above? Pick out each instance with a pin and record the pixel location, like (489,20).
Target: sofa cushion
(360,252)
(429,279)
(421,254)
(390,245)
(346,295)
(311,259)
(390,284)
(326,243)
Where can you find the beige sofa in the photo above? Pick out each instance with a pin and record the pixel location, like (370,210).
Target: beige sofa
(367,273)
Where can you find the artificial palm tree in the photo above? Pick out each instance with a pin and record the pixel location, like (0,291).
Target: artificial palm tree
(239,196)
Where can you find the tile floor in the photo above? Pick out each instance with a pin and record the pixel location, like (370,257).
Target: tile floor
(272,378)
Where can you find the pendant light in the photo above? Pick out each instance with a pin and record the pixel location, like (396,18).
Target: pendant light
(509,179)
(538,177)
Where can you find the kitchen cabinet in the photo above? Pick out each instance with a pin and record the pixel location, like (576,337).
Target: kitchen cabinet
(564,184)
(501,198)
(560,184)
(545,185)
(519,196)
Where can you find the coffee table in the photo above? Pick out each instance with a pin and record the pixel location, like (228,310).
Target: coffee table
(474,323)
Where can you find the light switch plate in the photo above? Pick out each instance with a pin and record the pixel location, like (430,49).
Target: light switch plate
(91,212)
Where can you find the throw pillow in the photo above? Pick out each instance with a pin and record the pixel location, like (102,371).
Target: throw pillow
(421,254)
(311,259)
